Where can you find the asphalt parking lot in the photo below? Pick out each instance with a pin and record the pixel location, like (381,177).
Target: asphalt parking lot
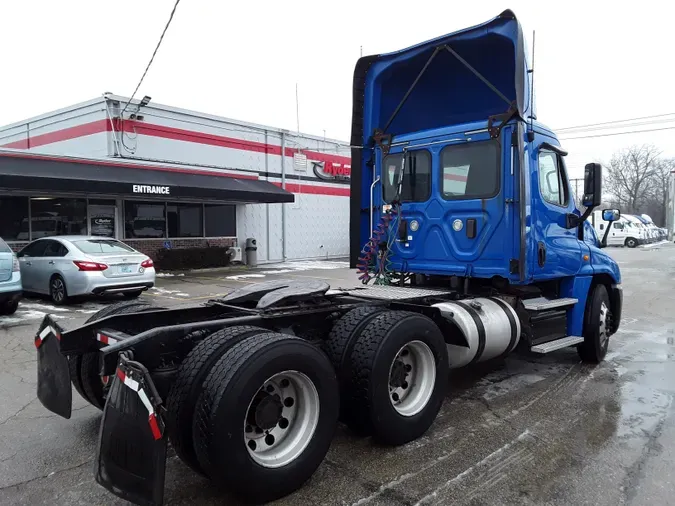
(527,430)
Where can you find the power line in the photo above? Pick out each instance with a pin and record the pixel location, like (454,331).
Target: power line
(613,122)
(618,133)
(622,125)
(159,43)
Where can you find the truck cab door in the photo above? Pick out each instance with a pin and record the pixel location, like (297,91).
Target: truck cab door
(557,250)
(453,205)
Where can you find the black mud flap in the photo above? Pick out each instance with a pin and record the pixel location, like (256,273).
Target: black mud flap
(131,454)
(53,381)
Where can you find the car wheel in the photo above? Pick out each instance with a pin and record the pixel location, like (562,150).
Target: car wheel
(9,308)
(132,295)
(631,243)
(57,290)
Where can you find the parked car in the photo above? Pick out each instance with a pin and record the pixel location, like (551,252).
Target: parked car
(66,266)
(10,280)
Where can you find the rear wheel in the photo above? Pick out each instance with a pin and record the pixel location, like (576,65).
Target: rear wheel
(84,369)
(185,390)
(9,308)
(342,338)
(57,290)
(597,327)
(399,369)
(631,242)
(266,416)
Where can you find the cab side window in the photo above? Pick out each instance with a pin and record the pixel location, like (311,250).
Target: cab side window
(552,179)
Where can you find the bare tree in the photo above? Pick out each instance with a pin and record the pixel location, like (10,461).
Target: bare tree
(631,175)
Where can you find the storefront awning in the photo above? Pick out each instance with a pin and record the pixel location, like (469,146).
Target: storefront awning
(44,173)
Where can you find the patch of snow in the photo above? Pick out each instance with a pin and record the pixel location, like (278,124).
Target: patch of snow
(244,276)
(280,271)
(42,307)
(168,274)
(164,290)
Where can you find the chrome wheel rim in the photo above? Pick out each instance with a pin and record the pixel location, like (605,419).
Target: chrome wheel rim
(602,327)
(281,419)
(412,376)
(58,290)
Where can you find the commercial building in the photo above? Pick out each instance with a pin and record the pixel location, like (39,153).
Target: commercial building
(162,177)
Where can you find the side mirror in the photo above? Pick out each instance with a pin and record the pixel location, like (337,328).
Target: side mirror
(592,185)
(611,214)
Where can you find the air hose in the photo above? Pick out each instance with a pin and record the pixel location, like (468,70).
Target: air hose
(367,264)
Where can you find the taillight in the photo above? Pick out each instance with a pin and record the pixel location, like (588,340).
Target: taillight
(89,266)
(148,263)
(15,264)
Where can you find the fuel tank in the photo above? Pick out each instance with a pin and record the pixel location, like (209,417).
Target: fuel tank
(490,327)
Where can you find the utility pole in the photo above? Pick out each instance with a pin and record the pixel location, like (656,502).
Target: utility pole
(297,108)
(576,187)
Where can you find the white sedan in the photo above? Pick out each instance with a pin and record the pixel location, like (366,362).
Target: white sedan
(67,266)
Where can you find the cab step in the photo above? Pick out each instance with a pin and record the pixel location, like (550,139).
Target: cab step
(557,344)
(544,304)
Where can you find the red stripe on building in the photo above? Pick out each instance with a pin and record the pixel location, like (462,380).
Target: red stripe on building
(165,132)
(95,127)
(315,190)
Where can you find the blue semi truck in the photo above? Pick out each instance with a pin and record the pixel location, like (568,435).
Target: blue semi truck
(469,245)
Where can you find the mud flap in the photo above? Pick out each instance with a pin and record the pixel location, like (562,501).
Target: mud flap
(131,455)
(53,381)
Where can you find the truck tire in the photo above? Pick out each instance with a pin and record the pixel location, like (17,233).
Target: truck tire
(86,366)
(399,371)
(342,338)
(185,390)
(597,324)
(631,242)
(266,416)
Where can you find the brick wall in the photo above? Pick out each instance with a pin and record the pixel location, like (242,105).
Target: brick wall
(151,246)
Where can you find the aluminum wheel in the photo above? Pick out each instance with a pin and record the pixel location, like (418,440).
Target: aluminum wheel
(602,327)
(58,290)
(412,376)
(281,419)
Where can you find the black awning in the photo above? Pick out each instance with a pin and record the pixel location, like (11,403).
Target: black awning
(28,172)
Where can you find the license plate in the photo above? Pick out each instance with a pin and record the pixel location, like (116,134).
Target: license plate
(124,269)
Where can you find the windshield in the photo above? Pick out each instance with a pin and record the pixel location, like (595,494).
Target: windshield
(102,246)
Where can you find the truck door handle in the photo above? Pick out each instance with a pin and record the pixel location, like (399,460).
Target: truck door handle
(28,263)
(471,228)
(541,253)
(51,262)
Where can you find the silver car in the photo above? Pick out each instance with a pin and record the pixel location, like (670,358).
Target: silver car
(66,266)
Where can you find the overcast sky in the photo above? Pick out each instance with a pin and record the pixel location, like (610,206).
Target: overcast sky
(242,60)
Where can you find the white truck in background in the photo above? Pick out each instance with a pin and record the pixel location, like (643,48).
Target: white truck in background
(624,232)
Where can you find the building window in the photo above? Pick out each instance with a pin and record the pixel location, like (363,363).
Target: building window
(14,218)
(144,220)
(57,216)
(220,220)
(185,220)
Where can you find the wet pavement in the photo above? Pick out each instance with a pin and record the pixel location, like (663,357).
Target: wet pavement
(527,430)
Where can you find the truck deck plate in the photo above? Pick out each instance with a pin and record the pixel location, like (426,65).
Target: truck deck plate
(542,303)
(383,292)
